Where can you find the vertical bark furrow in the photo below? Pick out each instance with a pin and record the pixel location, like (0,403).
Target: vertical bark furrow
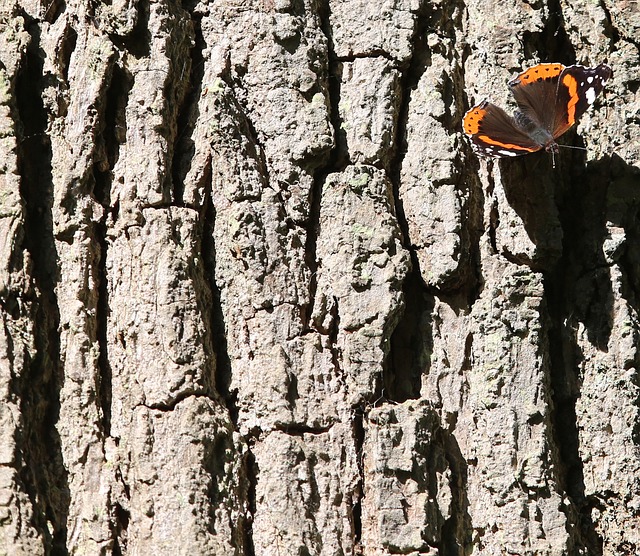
(111,134)
(43,473)
(187,113)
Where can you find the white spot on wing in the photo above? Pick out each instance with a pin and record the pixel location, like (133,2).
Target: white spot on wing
(590,93)
(590,79)
(507,153)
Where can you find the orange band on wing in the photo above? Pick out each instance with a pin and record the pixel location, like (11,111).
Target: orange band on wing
(571,83)
(537,73)
(490,141)
(471,123)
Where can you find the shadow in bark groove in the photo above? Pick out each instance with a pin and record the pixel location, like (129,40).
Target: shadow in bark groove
(218,460)
(337,161)
(217,324)
(67,47)
(565,391)
(339,155)
(53,10)
(578,289)
(563,212)
(529,185)
(250,473)
(122,517)
(44,475)
(184,148)
(138,41)
(110,135)
(411,343)
(596,211)
(457,529)
(357,425)
(102,313)
(552,44)
(418,64)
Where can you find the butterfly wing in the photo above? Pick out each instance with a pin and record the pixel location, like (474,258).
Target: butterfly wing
(578,87)
(494,133)
(535,90)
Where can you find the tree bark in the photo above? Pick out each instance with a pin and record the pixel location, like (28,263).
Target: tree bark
(258,297)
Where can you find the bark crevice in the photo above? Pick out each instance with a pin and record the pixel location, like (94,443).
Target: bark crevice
(337,160)
(111,134)
(43,472)
(408,356)
(217,325)
(187,113)
(566,357)
(105,392)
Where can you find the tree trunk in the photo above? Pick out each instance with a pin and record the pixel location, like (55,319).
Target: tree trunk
(258,297)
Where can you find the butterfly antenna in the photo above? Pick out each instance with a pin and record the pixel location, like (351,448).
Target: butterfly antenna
(572,147)
(553,152)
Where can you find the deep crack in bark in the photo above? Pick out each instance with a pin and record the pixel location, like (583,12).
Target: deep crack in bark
(43,474)
(184,146)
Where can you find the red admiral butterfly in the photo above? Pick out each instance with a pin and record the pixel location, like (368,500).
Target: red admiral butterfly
(550,97)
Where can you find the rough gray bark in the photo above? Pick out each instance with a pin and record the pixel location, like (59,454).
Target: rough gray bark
(258,297)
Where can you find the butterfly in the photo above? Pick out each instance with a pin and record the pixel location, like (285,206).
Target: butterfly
(550,98)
